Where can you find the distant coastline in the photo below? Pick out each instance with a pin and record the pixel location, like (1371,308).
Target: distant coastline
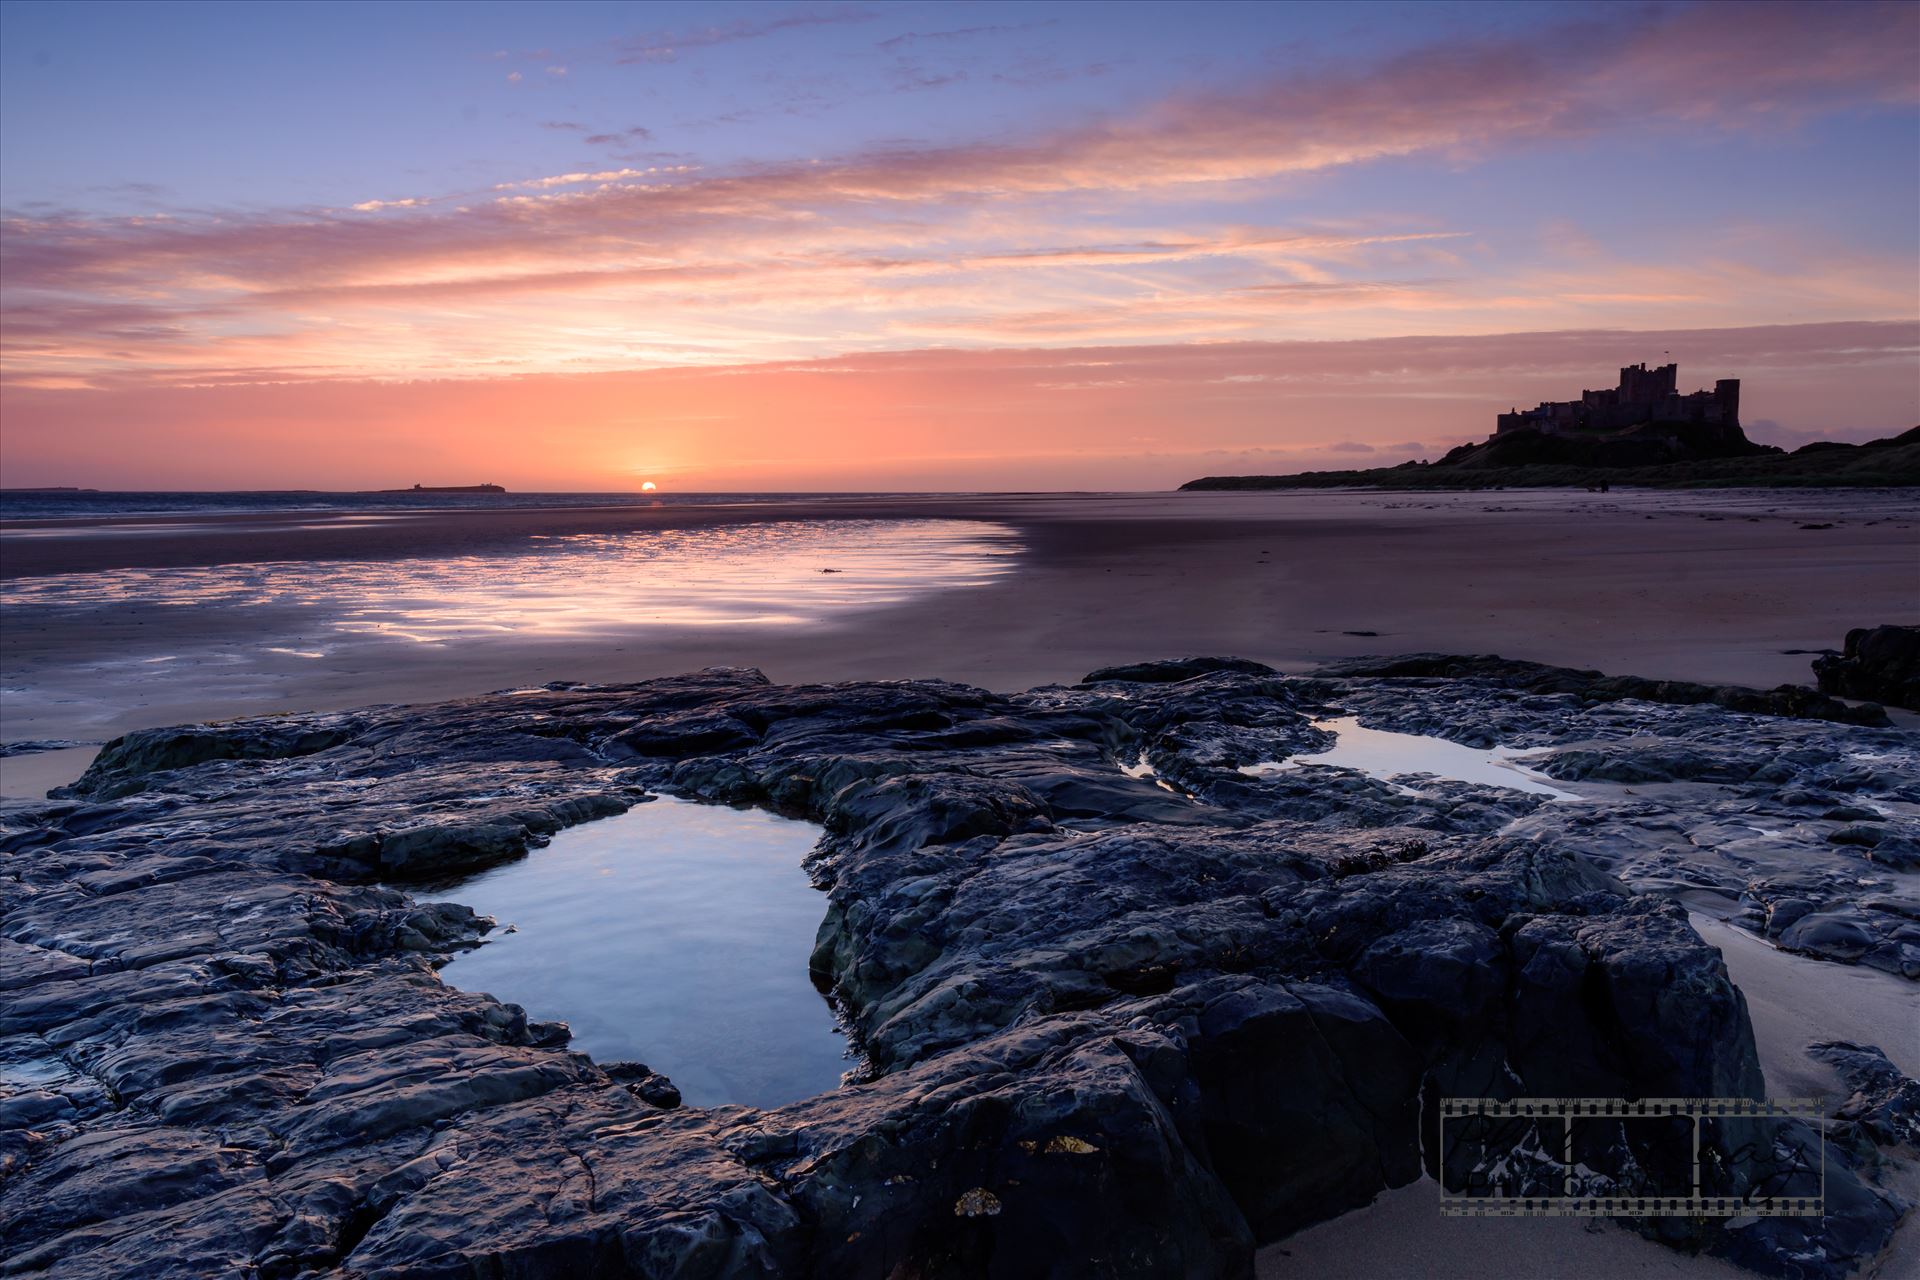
(1879,464)
(446,488)
(80,504)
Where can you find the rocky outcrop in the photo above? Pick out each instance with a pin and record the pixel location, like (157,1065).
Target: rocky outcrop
(1800,829)
(1882,1103)
(1121,1021)
(1655,456)
(1881,663)
(33,746)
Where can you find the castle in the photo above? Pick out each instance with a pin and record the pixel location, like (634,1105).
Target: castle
(1644,395)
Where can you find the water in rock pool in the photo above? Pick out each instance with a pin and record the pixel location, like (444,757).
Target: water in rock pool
(1381,754)
(677,935)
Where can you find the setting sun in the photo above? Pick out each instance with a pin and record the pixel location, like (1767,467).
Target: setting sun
(648,487)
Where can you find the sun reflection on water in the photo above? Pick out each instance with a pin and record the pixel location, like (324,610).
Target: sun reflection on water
(765,574)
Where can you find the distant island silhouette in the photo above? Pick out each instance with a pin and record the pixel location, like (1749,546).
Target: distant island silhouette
(447,488)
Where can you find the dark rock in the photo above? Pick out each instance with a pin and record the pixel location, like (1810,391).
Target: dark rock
(1880,1115)
(149,751)
(1835,936)
(34,746)
(644,1083)
(1901,852)
(1883,1101)
(1782,913)
(1173,669)
(1881,663)
(1114,1026)
(1304,1067)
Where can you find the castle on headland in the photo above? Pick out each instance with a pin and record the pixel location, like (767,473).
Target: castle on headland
(1644,395)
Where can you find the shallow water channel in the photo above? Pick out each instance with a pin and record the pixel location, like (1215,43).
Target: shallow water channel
(676,934)
(1385,755)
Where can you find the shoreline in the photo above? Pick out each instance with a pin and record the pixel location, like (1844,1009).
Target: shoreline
(1717,588)
(81,544)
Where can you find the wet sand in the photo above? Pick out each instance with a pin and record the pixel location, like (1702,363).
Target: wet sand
(30,777)
(1402,1236)
(1703,586)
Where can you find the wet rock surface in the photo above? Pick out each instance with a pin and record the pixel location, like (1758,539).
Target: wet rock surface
(34,746)
(1882,663)
(1118,1024)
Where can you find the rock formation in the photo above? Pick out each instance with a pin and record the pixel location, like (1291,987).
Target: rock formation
(1119,1025)
(1881,663)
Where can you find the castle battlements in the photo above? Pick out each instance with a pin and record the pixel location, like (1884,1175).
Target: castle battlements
(1644,395)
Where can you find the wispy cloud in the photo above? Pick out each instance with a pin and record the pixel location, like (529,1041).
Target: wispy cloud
(620,137)
(664,46)
(1010,241)
(893,44)
(576,179)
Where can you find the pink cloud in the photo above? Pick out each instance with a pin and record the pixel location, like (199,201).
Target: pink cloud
(900,245)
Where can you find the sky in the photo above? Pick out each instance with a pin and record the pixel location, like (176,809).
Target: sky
(928,246)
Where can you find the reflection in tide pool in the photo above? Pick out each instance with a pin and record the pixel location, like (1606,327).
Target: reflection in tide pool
(1380,754)
(753,574)
(677,935)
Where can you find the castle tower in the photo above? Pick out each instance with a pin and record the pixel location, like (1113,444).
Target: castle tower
(1641,385)
(1727,392)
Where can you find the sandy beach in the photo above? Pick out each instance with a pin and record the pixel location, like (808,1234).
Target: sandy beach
(1713,586)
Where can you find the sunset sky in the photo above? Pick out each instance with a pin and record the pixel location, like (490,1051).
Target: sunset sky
(913,246)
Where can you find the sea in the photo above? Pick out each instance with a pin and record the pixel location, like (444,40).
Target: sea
(68,504)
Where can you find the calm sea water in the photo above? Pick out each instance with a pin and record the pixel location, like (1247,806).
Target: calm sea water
(677,935)
(84,655)
(29,504)
(762,572)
